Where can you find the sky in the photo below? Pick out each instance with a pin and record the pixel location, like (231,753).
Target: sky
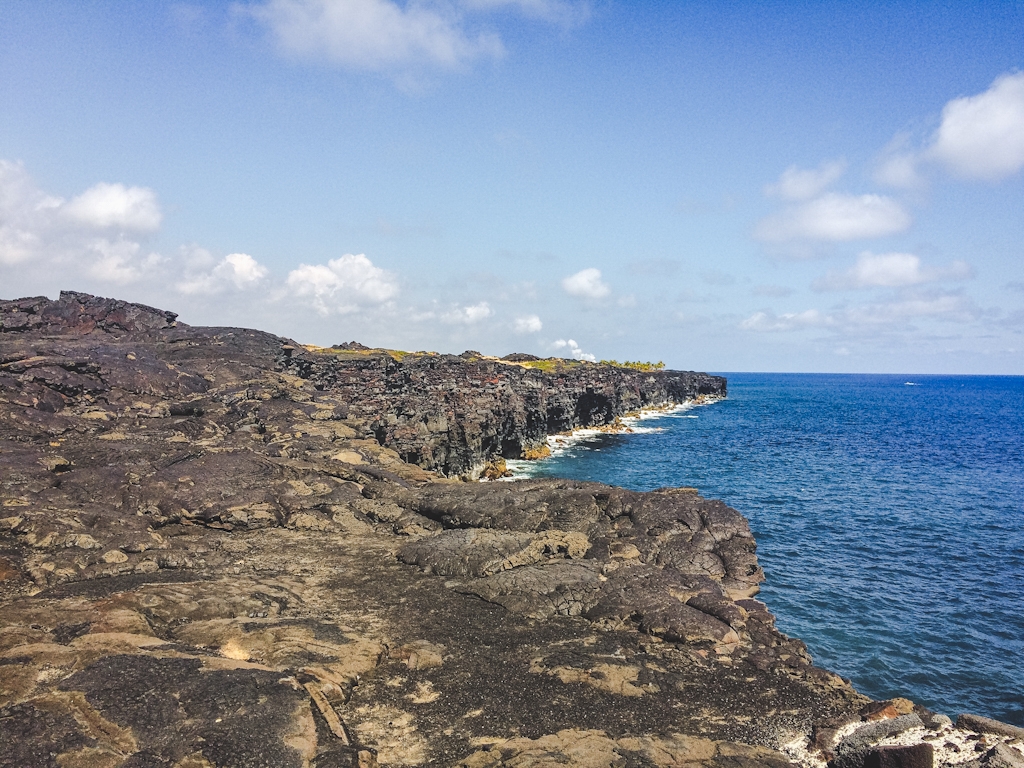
(723,186)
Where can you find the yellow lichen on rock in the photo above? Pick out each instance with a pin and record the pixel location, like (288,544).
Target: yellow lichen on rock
(540,452)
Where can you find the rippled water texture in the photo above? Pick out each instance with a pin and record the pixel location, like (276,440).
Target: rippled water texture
(889,519)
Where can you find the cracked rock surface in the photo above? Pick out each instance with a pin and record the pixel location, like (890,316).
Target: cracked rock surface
(212,553)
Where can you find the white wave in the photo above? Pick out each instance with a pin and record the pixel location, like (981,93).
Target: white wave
(562,444)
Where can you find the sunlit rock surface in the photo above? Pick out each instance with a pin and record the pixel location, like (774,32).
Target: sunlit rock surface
(219,548)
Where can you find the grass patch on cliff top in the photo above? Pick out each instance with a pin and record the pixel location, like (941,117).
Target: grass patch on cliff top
(636,365)
(395,354)
(550,364)
(554,364)
(546,365)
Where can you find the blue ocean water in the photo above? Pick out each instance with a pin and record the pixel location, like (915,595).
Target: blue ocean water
(889,516)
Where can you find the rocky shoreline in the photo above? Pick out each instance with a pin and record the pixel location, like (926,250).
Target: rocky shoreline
(219,547)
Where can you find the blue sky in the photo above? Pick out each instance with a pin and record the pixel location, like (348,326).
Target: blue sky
(722,186)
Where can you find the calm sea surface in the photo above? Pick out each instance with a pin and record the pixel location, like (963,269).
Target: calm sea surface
(889,515)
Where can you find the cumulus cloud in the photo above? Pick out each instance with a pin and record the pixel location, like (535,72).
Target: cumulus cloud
(982,137)
(890,270)
(236,270)
(373,34)
(105,206)
(573,349)
(979,137)
(835,217)
(528,324)
(468,315)
(26,215)
(343,285)
(120,261)
(586,284)
(96,233)
(802,183)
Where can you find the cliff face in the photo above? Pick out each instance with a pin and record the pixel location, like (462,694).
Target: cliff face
(453,413)
(446,413)
(209,558)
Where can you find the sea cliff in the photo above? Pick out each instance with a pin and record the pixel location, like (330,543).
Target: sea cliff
(219,547)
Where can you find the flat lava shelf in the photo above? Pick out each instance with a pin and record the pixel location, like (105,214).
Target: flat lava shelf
(221,548)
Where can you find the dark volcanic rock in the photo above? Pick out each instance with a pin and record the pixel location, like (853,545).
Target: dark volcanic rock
(218,547)
(910,756)
(987,725)
(80,313)
(453,413)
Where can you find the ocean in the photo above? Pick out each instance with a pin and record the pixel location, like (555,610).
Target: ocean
(888,511)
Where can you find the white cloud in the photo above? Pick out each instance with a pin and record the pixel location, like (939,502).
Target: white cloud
(372,34)
(26,213)
(238,270)
(890,270)
(343,285)
(241,269)
(899,166)
(767,321)
(979,137)
(468,315)
(836,217)
(45,231)
(106,206)
(587,284)
(118,261)
(570,346)
(982,136)
(528,324)
(802,184)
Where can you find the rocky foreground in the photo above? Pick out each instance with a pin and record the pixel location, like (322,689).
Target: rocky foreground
(221,548)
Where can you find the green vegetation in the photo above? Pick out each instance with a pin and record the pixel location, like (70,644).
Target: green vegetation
(635,365)
(550,364)
(395,354)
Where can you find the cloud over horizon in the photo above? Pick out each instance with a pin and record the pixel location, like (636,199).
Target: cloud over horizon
(97,233)
(573,349)
(204,275)
(468,315)
(116,206)
(890,270)
(528,324)
(835,217)
(343,285)
(586,284)
(101,235)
